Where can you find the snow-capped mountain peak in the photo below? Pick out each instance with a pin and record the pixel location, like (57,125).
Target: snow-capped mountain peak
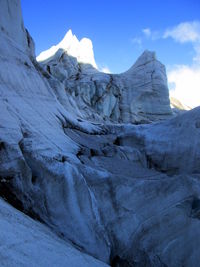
(82,50)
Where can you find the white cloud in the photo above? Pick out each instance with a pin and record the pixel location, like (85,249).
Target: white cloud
(197,51)
(184,32)
(184,82)
(137,41)
(147,32)
(153,35)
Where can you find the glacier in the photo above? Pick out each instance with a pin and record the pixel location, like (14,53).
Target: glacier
(139,95)
(98,168)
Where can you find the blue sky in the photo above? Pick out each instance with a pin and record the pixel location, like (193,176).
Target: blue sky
(120,30)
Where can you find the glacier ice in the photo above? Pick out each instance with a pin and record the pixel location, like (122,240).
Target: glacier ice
(73,157)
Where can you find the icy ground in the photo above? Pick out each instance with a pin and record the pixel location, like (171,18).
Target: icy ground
(99,186)
(25,242)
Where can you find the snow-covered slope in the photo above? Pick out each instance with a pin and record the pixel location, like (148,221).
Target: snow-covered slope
(128,195)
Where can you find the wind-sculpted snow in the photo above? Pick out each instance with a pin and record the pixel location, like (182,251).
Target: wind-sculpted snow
(128,195)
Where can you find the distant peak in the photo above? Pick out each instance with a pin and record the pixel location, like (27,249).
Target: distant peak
(68,34)
(68,40)
(82,50)
(86,41)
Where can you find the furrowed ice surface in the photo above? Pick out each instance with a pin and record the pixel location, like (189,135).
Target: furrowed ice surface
(35,149)
(25,242)
(128,195)
(138,95)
